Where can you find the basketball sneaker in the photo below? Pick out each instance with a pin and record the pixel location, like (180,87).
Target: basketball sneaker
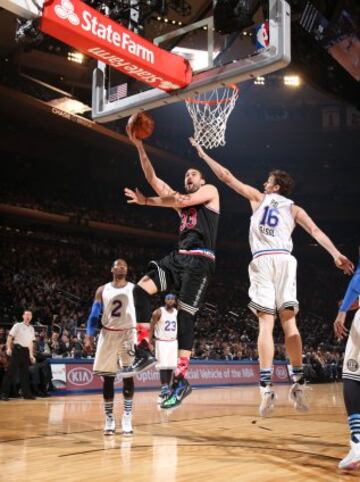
(297,398)
(144,359)
(164,393)
(126,424)
(268,397)
(109,427)
(180,389)
(352,460)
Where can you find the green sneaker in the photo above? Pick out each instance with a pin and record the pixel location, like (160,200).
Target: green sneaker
(181,388)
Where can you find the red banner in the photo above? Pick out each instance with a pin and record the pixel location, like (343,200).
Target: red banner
(71,377)
(76,24)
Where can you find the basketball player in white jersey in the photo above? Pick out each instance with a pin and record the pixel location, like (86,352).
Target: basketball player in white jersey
(163,329)
(351,369)
(272,271)
(116,341)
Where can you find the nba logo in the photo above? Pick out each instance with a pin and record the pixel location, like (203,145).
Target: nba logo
(262,35)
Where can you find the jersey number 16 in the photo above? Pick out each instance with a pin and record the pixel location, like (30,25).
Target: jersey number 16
(270,217)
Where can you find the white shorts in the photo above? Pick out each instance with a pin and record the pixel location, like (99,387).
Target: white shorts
(166,354)
(351,367)
(273,283)
(114,350)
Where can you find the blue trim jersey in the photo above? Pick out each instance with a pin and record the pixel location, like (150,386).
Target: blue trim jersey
(353,291)
(271,226)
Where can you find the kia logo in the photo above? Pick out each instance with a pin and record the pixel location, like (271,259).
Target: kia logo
(66,11)
(281,372)
(80,376)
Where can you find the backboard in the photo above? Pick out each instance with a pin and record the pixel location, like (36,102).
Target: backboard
(217,60)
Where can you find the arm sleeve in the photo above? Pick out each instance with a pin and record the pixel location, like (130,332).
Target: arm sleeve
(352,292)
(93,318)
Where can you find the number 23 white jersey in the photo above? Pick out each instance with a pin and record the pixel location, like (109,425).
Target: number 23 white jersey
(166,327)
(271,226)
(118,307)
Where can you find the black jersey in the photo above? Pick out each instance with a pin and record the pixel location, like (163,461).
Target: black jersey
(198,228)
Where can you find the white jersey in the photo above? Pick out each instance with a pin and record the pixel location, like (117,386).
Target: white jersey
(166,327)
(118,307)
(271,226)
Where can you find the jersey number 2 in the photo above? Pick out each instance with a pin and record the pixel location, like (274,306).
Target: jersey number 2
(270,217)
(117,307)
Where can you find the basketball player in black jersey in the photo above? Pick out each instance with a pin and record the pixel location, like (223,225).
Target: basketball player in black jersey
(188,269)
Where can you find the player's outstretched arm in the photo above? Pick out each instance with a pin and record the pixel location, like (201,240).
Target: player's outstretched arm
(352,293)
(226,176)
(207,195)
(304,220)
(159,186)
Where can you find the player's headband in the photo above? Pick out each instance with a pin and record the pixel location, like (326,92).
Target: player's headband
(170,296)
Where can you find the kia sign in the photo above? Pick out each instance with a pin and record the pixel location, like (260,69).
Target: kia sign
(80,376)
(90,32)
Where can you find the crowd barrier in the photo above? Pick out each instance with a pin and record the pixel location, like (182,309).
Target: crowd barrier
(76,376)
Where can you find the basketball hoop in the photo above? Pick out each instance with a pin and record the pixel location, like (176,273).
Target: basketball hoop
(210,112)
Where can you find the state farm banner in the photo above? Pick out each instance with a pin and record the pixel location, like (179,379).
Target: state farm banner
(84,28)
(79,376)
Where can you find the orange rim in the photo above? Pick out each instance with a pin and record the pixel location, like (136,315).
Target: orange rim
(192,100)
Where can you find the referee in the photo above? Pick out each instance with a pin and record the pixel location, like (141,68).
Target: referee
(20,347)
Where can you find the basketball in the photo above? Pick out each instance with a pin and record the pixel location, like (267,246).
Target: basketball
(141,125)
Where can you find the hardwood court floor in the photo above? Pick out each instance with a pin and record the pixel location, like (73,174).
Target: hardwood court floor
(215,435)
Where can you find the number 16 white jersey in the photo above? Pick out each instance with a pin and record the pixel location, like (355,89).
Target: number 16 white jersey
(271,226)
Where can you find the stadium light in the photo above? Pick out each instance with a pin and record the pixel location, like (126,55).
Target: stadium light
(259,81)
(76,57)
(292,80)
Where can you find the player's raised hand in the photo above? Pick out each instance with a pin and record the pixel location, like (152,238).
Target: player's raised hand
(137,142)
(343,263)
(135,197)
(339,326)
(197,146)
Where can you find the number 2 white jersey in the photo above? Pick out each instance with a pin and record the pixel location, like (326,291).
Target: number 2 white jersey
(118,307)
(166,327)
(271,226)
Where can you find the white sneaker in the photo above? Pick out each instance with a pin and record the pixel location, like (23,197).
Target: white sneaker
(297,398)
(352,460)
(126,424)
(109,427)
(268,397)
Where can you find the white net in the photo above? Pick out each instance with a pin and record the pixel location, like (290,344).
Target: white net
(210,112)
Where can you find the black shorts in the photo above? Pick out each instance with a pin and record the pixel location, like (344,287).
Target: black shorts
(189,275)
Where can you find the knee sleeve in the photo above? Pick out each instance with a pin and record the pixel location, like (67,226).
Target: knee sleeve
(351,396)
(128,387)
(142,301)
(185,330)
(108,388)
